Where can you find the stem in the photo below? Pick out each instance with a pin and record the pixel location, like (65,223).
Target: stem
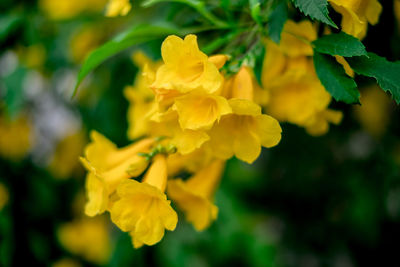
(210,48)
(200,7)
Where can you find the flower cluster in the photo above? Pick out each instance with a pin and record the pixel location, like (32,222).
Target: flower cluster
(185,116)
(296,94)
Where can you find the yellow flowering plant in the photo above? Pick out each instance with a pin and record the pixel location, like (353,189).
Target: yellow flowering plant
(200,105)
(199,129)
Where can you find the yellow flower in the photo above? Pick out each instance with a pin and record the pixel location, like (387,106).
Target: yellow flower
(195,196)
(197,110)
(319,125)
(118,8)
(185,140)
(296,94)
(296,100)
(141,97)
(356,14)
(3,196)
(243,132)
(295,38)
(66,9)
(185,67)
(84,41)
(243,85)
(108,166)
(64,162)
(374,112)
(15,137)
(142,208)
(191,162)
(88,238)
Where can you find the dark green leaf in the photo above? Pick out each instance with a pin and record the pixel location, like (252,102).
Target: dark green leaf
(386,73)
(136,35)
(315,9)
(333,77)
(277,20)
(340,44)
(7,24)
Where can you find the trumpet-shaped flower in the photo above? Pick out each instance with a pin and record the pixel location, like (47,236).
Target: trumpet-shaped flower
(118,8)
(200,111)
(142,208)
(141,97)
(243,132)
(185,140)
(243,85)
(192,162)
(295,38)
(356,14)
(296,94)
(108,166)
(195,196)
(88,237)
(185,67)
(297,100)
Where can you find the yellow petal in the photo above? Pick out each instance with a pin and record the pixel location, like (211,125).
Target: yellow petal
(218,60)
(143,210)
(186,141)
(269,130)
(157,173)
(118,8)
(291,41)
(198,210)
(200,111)
(97,195)
(244,107)
(349,71)
(247,146)
(186,68)
(242,86)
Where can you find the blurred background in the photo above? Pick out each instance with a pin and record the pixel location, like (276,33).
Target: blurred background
(310,201)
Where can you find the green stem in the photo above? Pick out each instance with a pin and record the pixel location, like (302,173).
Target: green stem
(216,44)
(201,8)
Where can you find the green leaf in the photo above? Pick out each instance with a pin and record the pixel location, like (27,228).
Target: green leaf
(340,44)
(14,97)
(135,35)
(277,20)
(8,24)
(315,9)
(255,11)
(334,78)
(198,5)
(386,73)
